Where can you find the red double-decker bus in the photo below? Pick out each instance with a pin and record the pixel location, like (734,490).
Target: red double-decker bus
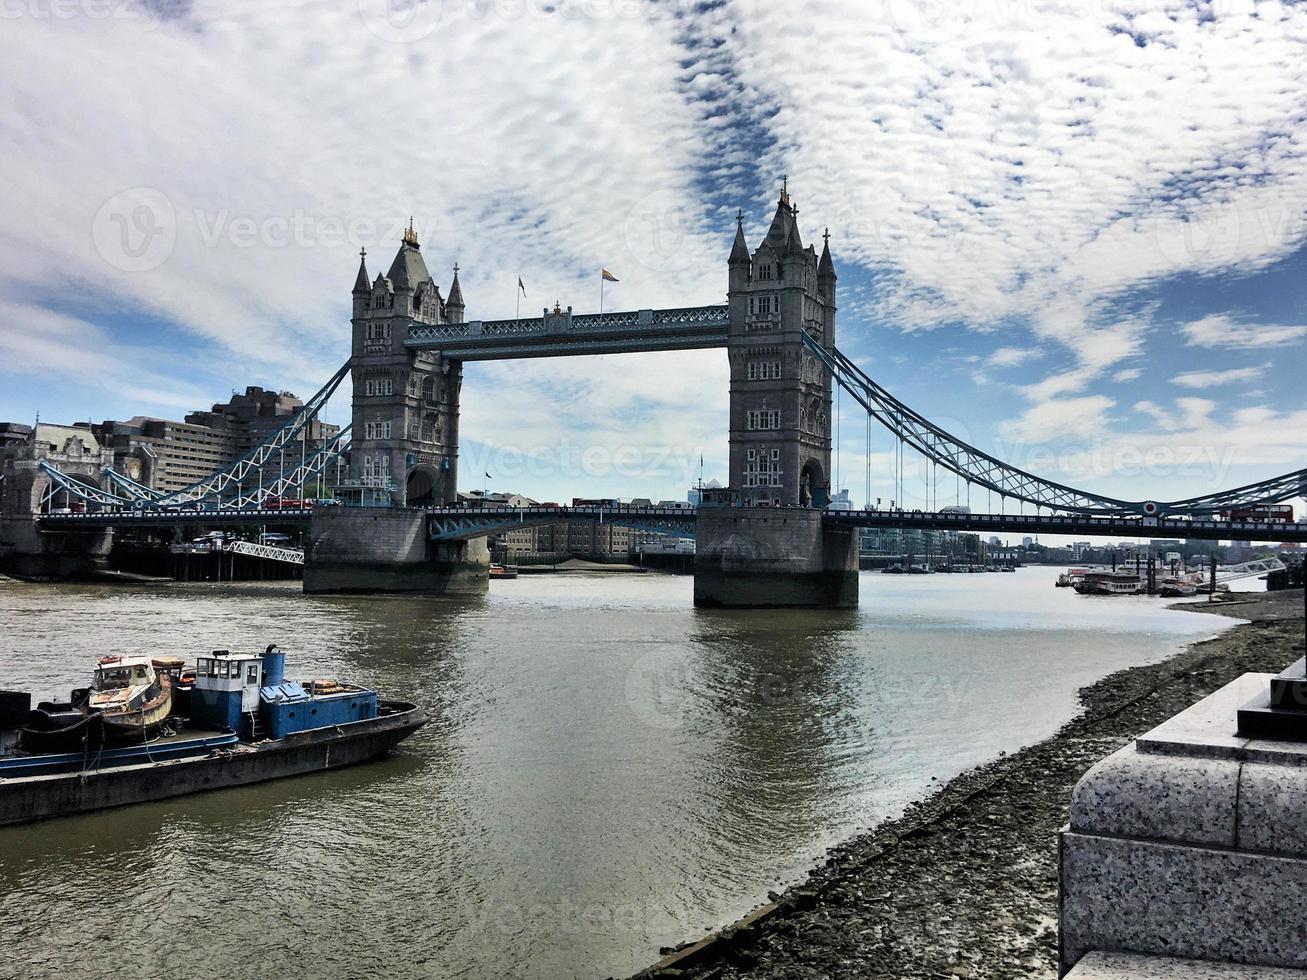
(1264,513)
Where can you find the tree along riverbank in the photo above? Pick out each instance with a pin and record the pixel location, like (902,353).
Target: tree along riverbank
(965,883)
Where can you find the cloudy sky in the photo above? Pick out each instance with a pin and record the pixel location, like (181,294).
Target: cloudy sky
(1072,231)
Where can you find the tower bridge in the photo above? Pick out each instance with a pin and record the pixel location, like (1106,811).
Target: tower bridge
(766,540)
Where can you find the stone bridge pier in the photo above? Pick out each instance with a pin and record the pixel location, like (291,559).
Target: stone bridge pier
(773,557)
(26,550)
(378,549)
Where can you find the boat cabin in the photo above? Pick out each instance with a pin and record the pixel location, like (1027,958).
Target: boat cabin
(120,682)
(226,687)
(113,673)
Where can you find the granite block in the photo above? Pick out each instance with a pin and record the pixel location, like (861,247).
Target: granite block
(1160,797)
(1180,900)
(1131,966)
(1273,810)
(1208,727)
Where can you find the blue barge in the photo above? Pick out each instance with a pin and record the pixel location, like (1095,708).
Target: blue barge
(239,720)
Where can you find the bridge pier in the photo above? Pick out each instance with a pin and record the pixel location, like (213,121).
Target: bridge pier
(760,557)
(27,552)
(367,549)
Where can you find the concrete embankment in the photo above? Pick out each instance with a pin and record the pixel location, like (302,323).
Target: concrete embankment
(965,883)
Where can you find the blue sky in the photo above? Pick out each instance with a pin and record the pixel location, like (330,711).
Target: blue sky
(1075,234)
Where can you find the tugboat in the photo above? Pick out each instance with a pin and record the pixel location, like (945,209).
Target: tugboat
(244,722)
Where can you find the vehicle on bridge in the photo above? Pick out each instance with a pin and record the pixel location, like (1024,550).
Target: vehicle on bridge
(1270,513)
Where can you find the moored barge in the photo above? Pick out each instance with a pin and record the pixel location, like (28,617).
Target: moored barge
(244,723)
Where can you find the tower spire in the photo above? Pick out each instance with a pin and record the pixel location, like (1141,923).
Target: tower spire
(361,281)
(739,250)
(455,292)
(826,268)
(410,235)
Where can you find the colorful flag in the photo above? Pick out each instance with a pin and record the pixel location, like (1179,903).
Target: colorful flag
(609,277)
(520,286)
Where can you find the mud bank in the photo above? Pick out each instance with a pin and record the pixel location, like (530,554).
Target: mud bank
(965,883)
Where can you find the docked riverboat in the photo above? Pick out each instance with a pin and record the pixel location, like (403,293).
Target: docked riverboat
(242,722)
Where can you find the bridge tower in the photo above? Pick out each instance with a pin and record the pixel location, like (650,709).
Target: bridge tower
(763,542)
(405,434)
(405,402)
(780,439)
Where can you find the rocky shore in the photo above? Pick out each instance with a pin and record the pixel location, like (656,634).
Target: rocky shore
(965,883)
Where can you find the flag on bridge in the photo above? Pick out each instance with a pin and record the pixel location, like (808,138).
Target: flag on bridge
(608,276)
(520,286)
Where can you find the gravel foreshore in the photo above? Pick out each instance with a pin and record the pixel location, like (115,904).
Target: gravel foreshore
(965,883)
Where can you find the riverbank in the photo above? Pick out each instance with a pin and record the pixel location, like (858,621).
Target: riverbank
(965,883)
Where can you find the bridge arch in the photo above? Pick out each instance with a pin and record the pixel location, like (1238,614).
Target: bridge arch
(422,486)
(813,489)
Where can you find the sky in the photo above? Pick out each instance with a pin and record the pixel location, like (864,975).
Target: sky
(1072,233)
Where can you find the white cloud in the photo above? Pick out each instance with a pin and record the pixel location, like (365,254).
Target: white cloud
(1128,374)
(1213,379)
(993,159)
(1050,420)
(1223,332)
(1012,356)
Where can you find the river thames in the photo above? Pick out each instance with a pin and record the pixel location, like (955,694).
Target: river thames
(607,770)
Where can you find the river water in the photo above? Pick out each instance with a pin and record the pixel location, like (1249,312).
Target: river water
(607,770)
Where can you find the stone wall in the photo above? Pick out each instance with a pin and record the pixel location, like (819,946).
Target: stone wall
(773,557)
(363,549)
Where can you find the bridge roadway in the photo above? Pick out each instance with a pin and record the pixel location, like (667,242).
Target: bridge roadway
(462,523)
(148,517)
(563,333)
(465,523)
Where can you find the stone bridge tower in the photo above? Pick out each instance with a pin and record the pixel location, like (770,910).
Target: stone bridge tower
(405,402)
(780,441)
(766,543)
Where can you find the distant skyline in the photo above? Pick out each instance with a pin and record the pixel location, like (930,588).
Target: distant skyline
(1074,235)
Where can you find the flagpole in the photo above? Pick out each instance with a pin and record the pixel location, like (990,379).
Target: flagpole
(601,298)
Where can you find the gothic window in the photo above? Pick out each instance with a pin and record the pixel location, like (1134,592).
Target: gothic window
(367,467)
(429,388)
(764,419)
(763,468)
(765,270)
